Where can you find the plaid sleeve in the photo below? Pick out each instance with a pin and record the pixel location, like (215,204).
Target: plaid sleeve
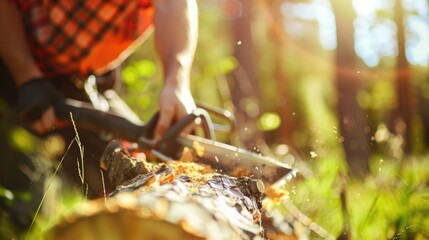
(65,33)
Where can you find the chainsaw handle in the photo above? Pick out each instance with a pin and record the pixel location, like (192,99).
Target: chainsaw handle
(228,118)
(168,143)
(87,118)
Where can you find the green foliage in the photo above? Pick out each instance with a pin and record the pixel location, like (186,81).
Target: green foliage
(319,118)
(269,121)
(6,195)
(22,139)
(138,71)
(140,86)
(379,97)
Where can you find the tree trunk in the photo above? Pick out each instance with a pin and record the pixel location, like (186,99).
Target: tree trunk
(284,108)
(423,100)
(351,118)
(423,103)
(401,119)
(244,84)
(178,200)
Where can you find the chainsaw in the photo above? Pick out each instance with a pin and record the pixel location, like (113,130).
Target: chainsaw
(222,157)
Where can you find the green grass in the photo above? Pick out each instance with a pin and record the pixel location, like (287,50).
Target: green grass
(393,203)
(65,204)
(55,203)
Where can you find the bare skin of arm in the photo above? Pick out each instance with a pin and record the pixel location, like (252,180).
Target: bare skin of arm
(176,26)
(16,55)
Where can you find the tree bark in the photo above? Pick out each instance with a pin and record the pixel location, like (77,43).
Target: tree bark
(351,117)
(402,114)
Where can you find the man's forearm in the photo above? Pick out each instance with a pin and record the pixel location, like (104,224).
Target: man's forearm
(13,46)
(176,26)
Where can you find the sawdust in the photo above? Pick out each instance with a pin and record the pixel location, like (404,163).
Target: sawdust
(198,173)
(190,154)
(187,155)
(276,194)
(199,150)
(241,171)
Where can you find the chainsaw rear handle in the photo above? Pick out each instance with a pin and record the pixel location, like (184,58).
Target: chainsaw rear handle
(227,117)
(87,118)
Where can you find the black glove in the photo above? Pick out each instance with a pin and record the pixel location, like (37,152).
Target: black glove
(35,97)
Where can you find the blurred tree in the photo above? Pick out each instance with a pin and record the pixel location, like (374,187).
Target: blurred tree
(401,117)
(423,103)
(351,117)
(278,38)
(244,81)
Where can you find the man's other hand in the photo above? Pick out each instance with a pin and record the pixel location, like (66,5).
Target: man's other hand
(36,99)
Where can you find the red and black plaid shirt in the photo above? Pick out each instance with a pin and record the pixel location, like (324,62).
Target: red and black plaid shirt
(82,37)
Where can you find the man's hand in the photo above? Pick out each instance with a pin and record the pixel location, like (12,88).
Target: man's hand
(174,103)
(36,99)
(176,30)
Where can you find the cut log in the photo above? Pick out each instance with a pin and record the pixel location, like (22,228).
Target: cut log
(176,200)
(167,201)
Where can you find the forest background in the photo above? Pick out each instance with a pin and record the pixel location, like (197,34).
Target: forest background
(337,88)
